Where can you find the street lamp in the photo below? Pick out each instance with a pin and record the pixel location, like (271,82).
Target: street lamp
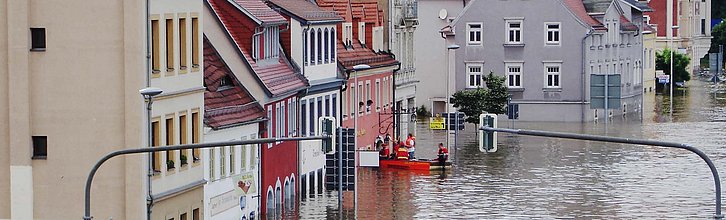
(356,68)
(448,91)
(671,75)
(148,93)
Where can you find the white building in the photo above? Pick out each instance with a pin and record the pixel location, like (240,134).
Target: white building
(404,20)
(231,114)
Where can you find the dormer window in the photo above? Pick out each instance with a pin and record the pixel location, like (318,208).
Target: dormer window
(266,45)
(225,82)
(362,32)
(347,34)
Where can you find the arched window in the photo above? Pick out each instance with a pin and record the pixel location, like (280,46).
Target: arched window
(305,48)
(270,211)
(332,44)
(278,202)
(288,196)
(312,47)
(320,46)
(327,47)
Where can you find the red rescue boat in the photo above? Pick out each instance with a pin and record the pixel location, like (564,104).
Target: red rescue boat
(418,164)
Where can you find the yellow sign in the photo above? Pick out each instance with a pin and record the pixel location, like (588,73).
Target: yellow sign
(436,123)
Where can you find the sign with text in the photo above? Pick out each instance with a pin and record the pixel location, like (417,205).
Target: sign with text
(244,184)
(436,123)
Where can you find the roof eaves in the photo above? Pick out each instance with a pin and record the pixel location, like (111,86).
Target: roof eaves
(463,11)
(246,12)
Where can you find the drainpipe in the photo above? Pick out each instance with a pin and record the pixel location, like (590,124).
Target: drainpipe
(584,75)
(256,55)
(396,118)
(305,40)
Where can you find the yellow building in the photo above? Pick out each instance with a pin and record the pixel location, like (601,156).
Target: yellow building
(649,51)
(70,74)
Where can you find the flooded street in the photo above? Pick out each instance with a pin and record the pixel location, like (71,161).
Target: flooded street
(535,177)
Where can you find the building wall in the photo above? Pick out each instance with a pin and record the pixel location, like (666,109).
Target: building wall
(221,197)
(368,119)
(431,70)
(85,111)
(649,51)
(314,71)
(183,204)
(279,160)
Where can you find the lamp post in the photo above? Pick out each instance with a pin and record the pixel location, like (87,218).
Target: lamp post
(448,92)
(148,93)
(356,68)
(671,75)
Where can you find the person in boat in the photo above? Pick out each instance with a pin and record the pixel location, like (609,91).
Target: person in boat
(378,142)
(387,139)
(411,145)
(443,153)
(384,153)
(402,152)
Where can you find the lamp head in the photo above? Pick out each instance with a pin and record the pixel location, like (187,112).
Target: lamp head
(150,91)
(676,27)
(453,47)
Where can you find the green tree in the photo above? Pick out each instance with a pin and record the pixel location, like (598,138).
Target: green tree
(680,63)
(491,99)
(719,37)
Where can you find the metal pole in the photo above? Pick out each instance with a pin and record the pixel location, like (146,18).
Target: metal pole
(671,75)
(714,172)
(448,95)
(456,134)
(355,149)
(607,110)
(149,199)
(340,171)
(89,179)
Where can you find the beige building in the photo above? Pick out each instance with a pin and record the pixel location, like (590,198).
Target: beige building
(176,68)
(649,51)
(70,74)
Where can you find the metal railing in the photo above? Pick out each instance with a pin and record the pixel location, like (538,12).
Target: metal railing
(89,180)
(714,172)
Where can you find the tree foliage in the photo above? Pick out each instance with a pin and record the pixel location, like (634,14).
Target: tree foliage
(680,63)
(719,37)
(491,99)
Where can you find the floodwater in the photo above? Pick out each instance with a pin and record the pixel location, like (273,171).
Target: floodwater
(536,177)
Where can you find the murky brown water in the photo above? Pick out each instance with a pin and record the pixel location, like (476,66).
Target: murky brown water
(534,177)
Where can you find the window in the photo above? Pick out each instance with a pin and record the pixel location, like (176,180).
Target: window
(183,216)
(222,162)
(474,75)
(169,142)
(231,159)
(347,34)
(277,120)
(195,135)
(514,32)
(303,186)
(195,214)
(155,46)
(514,75)
(284,130)
(326,50)
(378,94)
(37,39)
(303,119)
(182,43)
(305,48)
(269,124)
(362,32)
(332,44)
(553,34)
(169,45)
(270,203)
(312,47)
(320,108)
(311,123)
(212,165)
(253,153)
(552,76)
(155,141)
(183,138)
(195,42)
(311,183)
(243,156)
(367,96)
(703,26)
(474,31)
(320,180)
(361,94)
(320,46)
(352,99)
(335,106)
(40,147)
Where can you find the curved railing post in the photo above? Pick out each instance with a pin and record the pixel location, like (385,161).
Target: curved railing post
(704,157)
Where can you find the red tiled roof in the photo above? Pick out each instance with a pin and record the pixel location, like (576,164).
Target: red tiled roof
(306,10)
(260,11)
(225,106)
(360,55)
(365,10)
(626,25)
(577,8)
(278,76)
(647,27)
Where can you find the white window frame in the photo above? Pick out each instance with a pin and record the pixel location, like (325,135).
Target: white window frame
(470,73)
(270,120)
(557,74)
(479,31)
(508,73)
(362,32)
(558,31)
(378,95)
(509,29)
(367,97)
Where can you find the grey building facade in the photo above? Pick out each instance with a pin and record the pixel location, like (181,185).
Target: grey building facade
(547,50)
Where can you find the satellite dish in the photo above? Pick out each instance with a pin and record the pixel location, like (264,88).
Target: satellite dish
(442,14)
